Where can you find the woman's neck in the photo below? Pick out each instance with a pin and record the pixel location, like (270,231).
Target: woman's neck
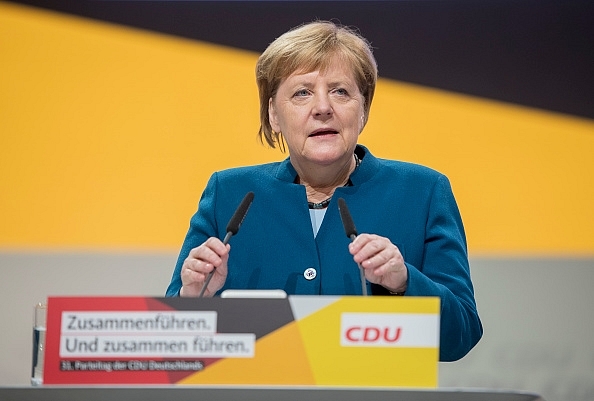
(321,182)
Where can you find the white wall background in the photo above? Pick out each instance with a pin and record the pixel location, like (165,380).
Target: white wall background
(537,314)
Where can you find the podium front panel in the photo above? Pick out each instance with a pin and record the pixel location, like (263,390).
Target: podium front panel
(296,341)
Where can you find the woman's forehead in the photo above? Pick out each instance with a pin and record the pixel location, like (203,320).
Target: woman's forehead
(333,63)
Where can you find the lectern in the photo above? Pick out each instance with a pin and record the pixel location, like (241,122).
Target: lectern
(321,348)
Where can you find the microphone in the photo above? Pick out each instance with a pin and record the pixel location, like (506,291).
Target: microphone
(232,229)
(347,220)
(238,216)
(351,232)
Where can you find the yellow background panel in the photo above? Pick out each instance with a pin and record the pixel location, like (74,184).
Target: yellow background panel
(108,135)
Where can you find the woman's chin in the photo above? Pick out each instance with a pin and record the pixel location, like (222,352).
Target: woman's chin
(325,159)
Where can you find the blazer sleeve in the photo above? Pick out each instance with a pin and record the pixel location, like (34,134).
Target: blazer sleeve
(202,226)
(445,273)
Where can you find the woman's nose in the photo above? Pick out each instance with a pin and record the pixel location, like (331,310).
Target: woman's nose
(322,106)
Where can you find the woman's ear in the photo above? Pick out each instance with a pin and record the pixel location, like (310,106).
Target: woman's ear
(272,116)
(362,124)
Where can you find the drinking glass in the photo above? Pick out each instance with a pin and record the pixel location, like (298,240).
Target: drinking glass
(39,320)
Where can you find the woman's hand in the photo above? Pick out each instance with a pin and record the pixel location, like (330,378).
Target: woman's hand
(212,254)
(381,261)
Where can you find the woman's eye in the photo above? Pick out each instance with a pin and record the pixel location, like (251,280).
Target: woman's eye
(302,92)
(341,91)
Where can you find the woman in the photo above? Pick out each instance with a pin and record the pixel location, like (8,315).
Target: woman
(316,85)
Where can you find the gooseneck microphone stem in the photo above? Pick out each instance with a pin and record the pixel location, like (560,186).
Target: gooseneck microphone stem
(363,280)
(211,273)
(232,229)
(351,232)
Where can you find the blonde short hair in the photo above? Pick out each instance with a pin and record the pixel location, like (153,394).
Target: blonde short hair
(307,48)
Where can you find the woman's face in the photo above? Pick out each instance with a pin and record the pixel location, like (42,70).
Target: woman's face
(320,115)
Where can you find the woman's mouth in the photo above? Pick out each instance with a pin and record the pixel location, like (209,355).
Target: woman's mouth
(323,133)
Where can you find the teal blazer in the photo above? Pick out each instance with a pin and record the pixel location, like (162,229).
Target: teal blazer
(411,205)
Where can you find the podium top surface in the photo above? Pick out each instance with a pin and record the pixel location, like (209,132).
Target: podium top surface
(183,393)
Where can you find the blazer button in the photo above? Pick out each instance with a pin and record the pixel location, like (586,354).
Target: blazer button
(310,273)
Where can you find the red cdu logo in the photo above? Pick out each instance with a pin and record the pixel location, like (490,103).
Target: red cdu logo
(389,330)
(370,334)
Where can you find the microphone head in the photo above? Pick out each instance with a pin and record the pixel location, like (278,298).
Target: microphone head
(240,213)
(347,220)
